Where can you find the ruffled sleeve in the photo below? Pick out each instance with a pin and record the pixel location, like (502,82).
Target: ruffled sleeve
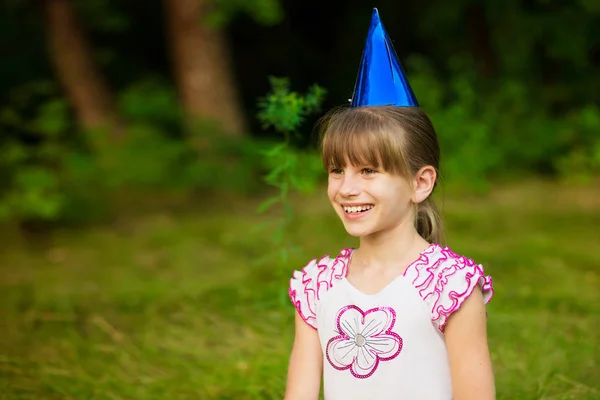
(308,286)
(447,281)
(302,293)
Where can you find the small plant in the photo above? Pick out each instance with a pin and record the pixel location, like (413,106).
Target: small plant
(290,169)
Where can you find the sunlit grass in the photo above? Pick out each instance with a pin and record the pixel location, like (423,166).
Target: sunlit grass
(171,305)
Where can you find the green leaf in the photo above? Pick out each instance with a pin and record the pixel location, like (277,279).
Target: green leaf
(289,214)
(285,110)
(36,177)
(278,234)
(275,150)
(284,299)
(53,118)
(263,259)
(283,255)
(295,249)
(268,203)
(262,226)
(274,174)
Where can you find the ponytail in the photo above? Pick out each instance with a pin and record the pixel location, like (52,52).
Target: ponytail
(429,223)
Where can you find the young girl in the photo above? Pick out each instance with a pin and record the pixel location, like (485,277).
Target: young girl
(400,317)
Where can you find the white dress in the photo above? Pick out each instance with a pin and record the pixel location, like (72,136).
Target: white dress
(389,345)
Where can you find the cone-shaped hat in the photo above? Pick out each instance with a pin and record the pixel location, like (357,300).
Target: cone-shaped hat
(381,80)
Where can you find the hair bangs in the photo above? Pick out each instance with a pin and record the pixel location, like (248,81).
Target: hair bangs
(362,138)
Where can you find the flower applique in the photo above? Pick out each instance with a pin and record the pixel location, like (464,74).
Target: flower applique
(365,338)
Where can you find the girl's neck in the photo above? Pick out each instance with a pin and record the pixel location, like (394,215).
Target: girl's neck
(388,249)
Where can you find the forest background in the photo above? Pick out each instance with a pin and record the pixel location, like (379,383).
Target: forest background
(160,181)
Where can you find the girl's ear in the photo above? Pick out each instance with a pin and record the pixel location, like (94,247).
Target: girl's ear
(424,182)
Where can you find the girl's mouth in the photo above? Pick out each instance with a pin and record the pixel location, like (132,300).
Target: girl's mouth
(357,209)
(353,212)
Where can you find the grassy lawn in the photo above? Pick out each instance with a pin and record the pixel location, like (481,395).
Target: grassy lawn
(171,305)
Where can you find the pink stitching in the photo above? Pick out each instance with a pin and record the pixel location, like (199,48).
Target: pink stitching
(369,340)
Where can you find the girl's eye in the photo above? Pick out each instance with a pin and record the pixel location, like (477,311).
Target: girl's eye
(336,171)
(368,171)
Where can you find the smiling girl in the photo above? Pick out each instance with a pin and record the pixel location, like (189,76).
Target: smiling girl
(399,317)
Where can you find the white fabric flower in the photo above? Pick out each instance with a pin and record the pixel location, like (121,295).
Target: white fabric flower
(365,339)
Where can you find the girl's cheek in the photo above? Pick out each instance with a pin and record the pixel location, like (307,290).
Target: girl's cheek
(333,189)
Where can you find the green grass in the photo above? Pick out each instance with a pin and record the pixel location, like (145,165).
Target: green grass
(171,305)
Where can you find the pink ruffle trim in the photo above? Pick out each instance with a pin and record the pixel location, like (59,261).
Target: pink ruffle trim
(445,280)
(308,286)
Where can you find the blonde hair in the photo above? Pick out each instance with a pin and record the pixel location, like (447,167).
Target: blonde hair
(400,140)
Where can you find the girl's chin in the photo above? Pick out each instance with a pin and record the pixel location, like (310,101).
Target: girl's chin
(357,235)
(354,231)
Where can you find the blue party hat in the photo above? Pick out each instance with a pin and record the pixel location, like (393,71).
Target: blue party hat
(381,80)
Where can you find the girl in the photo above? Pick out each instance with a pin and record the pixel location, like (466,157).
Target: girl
(400,317)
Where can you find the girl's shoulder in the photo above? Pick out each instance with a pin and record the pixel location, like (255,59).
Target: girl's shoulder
(445,279)
(308,285)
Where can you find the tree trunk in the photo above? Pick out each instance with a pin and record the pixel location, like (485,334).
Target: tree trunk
(75,68)
(201,65)
(479,35)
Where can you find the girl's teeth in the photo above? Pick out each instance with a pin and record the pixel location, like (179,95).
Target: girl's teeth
(357,209)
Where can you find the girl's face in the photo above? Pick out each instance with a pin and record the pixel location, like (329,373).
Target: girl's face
(369,201)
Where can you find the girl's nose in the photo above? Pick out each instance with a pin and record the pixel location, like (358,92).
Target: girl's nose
(350,187)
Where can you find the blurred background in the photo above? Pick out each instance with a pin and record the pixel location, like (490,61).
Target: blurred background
(160,181)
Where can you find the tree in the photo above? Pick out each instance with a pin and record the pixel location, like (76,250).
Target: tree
(75,68)
(201,65)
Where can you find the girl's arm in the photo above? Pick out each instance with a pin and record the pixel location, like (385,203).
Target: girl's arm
(466,341)
(306,364)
